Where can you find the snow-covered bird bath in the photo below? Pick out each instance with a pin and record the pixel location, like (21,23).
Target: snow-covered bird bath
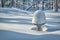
(39,19)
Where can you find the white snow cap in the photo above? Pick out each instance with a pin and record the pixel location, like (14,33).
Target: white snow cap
(38,17)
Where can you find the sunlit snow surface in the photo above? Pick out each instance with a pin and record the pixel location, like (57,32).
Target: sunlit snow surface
(16,24)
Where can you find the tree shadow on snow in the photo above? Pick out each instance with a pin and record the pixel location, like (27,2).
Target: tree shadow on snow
(10,35)
(15,20)
(52,30)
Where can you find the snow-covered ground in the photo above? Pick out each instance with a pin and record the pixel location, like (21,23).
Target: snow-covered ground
(16,24)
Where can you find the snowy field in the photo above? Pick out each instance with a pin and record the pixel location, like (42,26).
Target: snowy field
(16,24)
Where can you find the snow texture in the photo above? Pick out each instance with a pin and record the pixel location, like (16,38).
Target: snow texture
(16,25)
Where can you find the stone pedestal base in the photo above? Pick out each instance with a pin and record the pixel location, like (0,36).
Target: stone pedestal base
(42,28)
